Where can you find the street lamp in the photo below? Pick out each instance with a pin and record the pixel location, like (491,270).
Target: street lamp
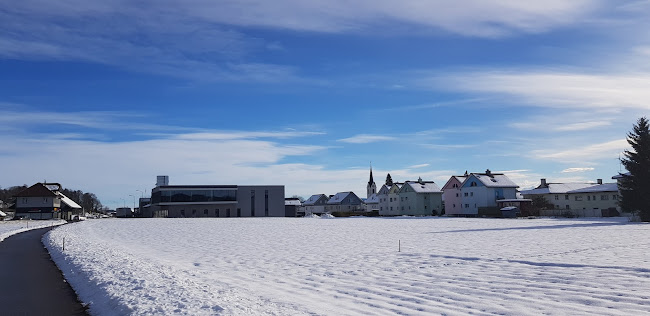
(133,201)
(141,193)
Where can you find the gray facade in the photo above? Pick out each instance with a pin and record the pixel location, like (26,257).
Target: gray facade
(216,201)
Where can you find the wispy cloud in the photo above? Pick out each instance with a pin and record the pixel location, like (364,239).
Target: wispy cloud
(366,138)
(577,169)
(419,166)
(609,149)
(554,89)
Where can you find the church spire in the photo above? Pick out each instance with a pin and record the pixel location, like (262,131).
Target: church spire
(372,187)
(371,181)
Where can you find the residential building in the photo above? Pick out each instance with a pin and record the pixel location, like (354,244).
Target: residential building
(451,195)
(45,201)
(393,198)
(372,203)
(216,200)
(420,198)
(577,199)
(345,202)
(482,190)
(315,204)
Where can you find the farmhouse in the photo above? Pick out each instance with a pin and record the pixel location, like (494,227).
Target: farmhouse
(45,201)
(315,204)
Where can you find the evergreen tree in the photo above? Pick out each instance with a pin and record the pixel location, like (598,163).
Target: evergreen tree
(635,185)
(389,180)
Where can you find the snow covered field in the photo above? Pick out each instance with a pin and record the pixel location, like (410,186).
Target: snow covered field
(8,228)
(344,266)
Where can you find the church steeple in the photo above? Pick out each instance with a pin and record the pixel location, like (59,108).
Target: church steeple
(372,187)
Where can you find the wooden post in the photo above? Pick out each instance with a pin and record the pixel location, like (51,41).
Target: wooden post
(399,245)
(63,243)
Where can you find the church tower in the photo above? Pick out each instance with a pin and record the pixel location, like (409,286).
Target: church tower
(372,187)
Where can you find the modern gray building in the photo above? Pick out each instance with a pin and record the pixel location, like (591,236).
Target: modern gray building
(215,200)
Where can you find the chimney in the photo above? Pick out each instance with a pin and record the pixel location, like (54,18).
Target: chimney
(600,181)
(544,185)
(488,173)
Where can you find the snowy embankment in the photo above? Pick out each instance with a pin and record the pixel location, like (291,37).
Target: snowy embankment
(293,266)
(8,228)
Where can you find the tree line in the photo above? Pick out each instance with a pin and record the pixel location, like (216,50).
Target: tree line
(88,201)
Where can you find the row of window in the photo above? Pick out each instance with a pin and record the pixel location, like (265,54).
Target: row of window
(194,196)
(603,197)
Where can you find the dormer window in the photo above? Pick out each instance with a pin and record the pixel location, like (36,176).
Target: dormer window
(473,184)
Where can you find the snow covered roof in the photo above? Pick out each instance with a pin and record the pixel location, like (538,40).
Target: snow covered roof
(605,187)
(68,201)
(292,201)
(313,199)
(424,187)
(557,188)
(495,180)
(340,197)
(373,199)
(620,175)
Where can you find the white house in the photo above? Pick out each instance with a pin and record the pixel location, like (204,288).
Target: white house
(482,190)
(315,204)
(577,199)
(452,196)
(372,203)
(420,198)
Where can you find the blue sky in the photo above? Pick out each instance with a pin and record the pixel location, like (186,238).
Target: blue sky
(103,96)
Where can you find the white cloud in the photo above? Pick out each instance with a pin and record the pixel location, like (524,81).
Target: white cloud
(592,152)
(580,169)
(366,138)
(554,89)
(419,166)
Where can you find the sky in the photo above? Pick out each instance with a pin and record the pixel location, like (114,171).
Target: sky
(103,96)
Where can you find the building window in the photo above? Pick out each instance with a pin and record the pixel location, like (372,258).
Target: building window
(252,202)
(44,200)
(216,212)
(466,194)
(471,194)
(588,198)
(473,184)
(557,197)
(456,194)
(238,212)
(567,207)
(454,205)
(193,213)
(604,197)
(391,199)
(614,197)
(183,213)
(566,197)
(266,202)
(391,208)
(466,205)
(205,212)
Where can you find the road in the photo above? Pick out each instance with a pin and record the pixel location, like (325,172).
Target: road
(30,282)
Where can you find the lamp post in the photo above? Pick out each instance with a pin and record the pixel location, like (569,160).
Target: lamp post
(141,193)
(133,201)
(123,202)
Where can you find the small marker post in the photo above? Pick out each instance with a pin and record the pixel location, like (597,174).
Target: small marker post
(399,245)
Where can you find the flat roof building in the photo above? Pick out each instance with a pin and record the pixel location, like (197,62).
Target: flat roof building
(215,200)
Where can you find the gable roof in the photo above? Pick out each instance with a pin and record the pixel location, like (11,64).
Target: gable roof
(395,187)
(460,180)
(423,187)
(373,199)
(36,190)
(341,196)
(493,180)
(314,198)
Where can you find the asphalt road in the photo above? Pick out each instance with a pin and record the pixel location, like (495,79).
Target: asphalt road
(30,282)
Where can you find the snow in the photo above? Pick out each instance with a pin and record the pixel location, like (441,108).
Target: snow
(351,266)
(8,228)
